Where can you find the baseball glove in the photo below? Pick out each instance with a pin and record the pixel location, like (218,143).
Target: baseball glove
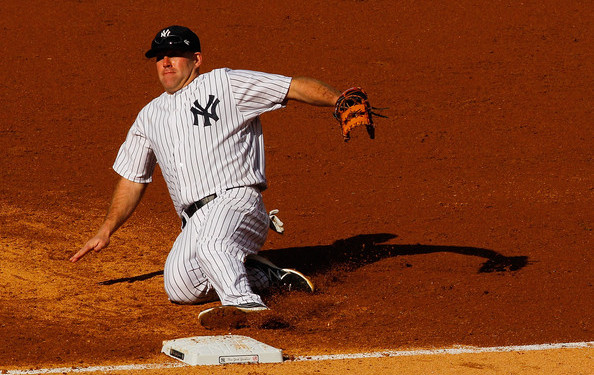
(353,110)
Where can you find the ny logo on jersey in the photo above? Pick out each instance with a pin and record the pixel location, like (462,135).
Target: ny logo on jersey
(209,112)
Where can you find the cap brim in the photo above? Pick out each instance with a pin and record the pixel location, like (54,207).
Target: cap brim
(150,53)
(154,51)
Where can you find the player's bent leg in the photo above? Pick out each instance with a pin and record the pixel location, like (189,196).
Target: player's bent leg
(227,274)
(235,225)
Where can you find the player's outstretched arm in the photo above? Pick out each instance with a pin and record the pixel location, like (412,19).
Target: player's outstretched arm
(126,196)
(311,91)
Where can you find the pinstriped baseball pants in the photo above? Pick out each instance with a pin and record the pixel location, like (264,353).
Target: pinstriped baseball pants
(207,259)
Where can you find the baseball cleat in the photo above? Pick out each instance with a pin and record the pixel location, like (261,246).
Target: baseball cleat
(284,278)
(228,316)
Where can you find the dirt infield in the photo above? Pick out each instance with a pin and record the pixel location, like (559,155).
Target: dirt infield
(467,221)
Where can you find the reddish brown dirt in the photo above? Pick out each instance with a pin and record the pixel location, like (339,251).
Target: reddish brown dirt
(467,221)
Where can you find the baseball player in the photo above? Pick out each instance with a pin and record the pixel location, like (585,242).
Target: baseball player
(206,135)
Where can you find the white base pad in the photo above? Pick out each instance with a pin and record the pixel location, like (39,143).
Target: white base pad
(220,350)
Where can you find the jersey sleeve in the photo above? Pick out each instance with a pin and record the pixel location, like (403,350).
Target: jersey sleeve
(136,160)
(257,92)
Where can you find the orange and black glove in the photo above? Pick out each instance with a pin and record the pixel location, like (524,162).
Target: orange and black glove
(353,110)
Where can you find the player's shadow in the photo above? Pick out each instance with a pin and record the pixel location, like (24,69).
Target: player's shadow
(363,249)
(360,250)
(132,279)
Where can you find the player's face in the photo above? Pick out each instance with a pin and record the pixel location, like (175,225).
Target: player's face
(177,69)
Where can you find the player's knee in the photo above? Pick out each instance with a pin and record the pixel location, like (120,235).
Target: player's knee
(195,300)
(182,289)
(191,297)
(177,295)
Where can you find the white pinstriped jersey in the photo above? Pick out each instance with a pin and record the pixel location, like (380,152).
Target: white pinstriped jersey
(207,136)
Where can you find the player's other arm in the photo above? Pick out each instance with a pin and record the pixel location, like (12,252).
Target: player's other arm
(126,196)
(311,91)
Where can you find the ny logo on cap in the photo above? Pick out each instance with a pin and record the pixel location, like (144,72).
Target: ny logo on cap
(167,33)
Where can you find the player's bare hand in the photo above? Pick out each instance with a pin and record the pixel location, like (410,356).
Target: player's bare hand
(96,243)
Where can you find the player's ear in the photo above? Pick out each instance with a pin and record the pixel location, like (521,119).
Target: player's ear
(197,59)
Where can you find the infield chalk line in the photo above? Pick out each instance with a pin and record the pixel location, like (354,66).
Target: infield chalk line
(381,354)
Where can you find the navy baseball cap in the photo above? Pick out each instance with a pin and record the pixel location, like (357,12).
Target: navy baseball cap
(177,38)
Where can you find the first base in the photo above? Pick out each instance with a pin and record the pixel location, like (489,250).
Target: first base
(220,350)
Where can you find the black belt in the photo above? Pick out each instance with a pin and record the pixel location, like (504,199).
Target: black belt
(191,210)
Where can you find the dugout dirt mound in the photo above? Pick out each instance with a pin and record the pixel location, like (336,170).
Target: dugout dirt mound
(468,220)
